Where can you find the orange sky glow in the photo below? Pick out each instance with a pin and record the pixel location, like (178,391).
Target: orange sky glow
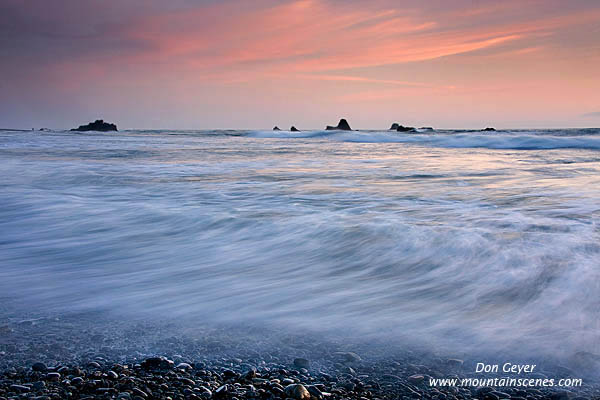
(236,64)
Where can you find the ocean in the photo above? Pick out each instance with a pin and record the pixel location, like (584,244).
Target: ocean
(453,237)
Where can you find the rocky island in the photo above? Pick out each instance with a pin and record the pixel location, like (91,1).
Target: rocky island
(343,125)
(98,125)
(401,128)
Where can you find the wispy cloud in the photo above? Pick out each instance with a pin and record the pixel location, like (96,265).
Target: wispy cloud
(184,53)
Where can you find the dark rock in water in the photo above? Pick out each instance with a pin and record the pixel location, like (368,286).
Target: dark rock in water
(427,128)
(297,391)
(343,125)
(394,126)
(301,363)
(276,128)
(402,128)
(39,367)
(488,129)
(98,125)
(294,129)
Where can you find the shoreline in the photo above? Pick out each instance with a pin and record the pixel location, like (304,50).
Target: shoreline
(268,376)
(82,357)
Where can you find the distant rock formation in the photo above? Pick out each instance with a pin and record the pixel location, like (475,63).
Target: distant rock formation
(394,126)
(343,125)
(276,128)
(488,129)
(294,129)
(426,128)
(98,125)
(402,128)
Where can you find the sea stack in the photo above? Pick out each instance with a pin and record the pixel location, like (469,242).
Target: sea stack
(394,126)
(98,125)
(402,128)
(294,129)
(276,128)
(343,125)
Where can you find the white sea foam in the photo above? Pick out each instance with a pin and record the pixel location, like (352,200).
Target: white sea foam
(503,140)
(333,231)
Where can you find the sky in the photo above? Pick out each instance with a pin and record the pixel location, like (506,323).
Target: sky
(241,64)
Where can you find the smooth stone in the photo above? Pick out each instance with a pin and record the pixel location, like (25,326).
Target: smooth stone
(53,376)
(183,365)
(455,362)
(276,128)
(39,385)
(20,388)
(294,129)
(77,380)
(394,126)
(490,396)
(416,378)
(315,392)
(112,375)
(301,363)
(488,129)
(140,393)
(348,356)
(157,363)
(250,374)
(229,374)
(297,391)
(39,367)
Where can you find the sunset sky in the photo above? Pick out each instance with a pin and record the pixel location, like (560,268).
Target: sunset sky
(258,63)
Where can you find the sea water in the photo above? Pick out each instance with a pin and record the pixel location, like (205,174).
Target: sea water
(454,237)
